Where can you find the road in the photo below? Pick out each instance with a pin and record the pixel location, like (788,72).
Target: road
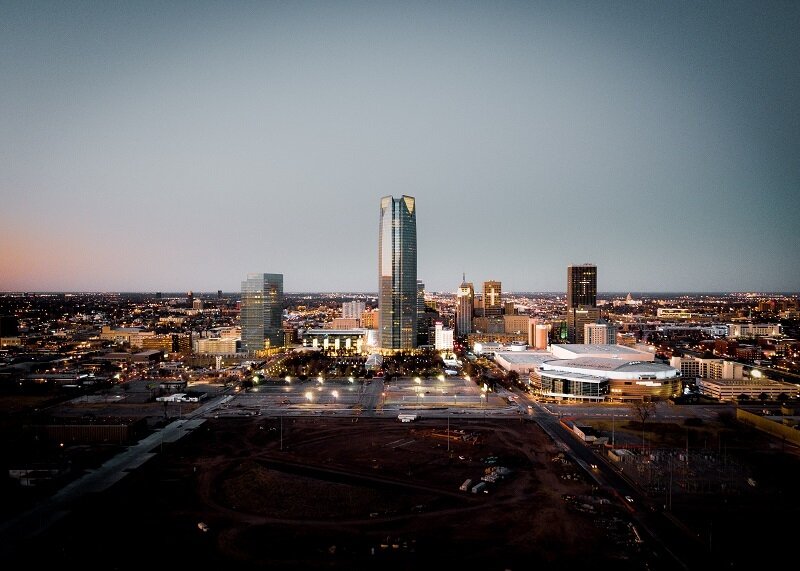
(674,543)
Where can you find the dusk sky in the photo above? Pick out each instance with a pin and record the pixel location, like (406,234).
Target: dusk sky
(178,146)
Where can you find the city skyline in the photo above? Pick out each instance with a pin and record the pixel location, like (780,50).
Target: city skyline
(174,148)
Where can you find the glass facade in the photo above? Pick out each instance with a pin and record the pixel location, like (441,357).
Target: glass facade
(573,388)
(397,273)
(582,286)
(261,312)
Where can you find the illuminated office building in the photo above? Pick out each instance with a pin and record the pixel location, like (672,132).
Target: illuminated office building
(262,309)
(465,307)
(397,273)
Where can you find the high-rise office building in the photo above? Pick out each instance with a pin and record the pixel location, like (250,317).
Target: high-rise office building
(397,273)
(423,322)
(465,307)
(420,298)
(492,301)
(582,285)
(262,309)
(581,300)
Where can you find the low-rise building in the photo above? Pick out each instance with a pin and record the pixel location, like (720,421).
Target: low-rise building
(731,389)
(348,341)
(754,330)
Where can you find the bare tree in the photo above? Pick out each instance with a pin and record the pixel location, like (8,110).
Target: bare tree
(643,410)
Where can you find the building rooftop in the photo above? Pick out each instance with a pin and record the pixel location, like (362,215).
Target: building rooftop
(619,365)
(610,350)
(525,357)
(751,382)
(335,331)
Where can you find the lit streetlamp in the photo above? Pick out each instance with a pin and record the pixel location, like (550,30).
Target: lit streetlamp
(309,396)
(288,379)
(334,394)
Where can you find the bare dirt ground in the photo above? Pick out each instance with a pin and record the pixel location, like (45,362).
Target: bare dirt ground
(328,493)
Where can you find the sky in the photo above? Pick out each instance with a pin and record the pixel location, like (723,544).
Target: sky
(150,146)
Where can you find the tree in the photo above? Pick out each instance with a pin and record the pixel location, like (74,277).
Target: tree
(763,396)
(743,397)
(783,397)
(643,409)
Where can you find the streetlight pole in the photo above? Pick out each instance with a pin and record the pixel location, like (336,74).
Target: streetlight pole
(612,429)
(448,432)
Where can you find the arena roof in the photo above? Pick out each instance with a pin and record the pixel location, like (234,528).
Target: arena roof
(525,357)
(616,368)
(583,349)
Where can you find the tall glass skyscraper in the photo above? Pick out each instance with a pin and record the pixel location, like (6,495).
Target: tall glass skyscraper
(262,309)
(397,273)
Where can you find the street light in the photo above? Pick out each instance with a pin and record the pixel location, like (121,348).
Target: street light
(350,379)
(320,379)
(309,396)
(288,379)
(448,432)
(334,394)
(441,378)
(417,380)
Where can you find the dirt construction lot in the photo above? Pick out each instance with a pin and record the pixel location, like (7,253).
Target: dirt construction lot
(314,493)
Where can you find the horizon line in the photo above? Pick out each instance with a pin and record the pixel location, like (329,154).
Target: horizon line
(375,293)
